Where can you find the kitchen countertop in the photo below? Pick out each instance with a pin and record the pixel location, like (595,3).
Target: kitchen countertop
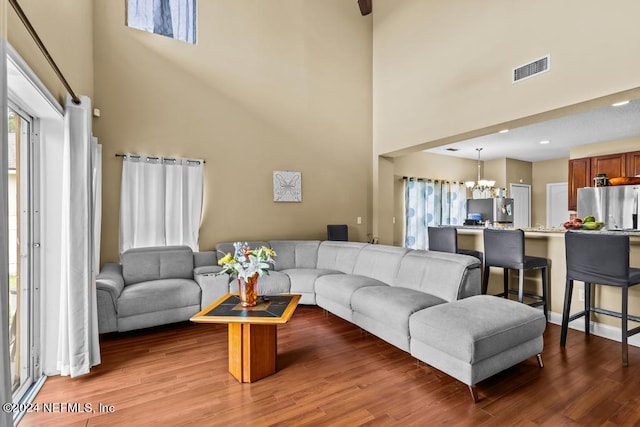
(549,230)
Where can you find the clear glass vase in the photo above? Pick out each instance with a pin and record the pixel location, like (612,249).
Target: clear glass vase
(248,290)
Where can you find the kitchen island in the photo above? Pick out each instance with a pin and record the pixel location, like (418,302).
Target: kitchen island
(549,243)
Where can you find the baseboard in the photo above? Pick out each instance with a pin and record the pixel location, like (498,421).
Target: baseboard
(598,329)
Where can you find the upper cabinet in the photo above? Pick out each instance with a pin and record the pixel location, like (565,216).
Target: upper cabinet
(633,163)
(579,176)
(613,165)
(582,171)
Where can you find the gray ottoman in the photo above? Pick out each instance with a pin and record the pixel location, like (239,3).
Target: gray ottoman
(476,337)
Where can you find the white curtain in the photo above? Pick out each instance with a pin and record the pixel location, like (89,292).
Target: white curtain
(183,204)
(96,163)
(160,202)
(430,203)
(78,346)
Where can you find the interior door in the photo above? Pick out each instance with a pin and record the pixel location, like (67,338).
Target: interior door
(521,195)
(557,195)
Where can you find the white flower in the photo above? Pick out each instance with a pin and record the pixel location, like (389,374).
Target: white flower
(247,262)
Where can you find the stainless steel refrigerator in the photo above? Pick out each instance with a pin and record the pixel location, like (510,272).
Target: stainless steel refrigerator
(498,209)
(616,206)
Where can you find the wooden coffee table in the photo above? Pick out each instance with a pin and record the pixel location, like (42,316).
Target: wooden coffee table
(252,332)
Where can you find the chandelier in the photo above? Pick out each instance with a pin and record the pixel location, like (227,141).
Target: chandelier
(483,188)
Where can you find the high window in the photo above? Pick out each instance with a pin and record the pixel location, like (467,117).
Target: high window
(171,18)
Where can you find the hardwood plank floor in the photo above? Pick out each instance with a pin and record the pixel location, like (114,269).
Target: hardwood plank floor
(332,373)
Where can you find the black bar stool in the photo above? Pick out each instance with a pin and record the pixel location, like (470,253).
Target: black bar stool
(445,239)
(505,249)
(602,259)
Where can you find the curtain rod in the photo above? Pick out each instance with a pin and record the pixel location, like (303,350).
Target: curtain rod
(137,156)
(431,179)
(43,49)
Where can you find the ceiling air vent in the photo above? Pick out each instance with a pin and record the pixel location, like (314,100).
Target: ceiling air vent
(531,69)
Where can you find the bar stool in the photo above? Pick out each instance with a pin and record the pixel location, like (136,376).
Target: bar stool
(445,239)
(505,249)
(601,259)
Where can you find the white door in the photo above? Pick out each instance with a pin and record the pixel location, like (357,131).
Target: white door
(557,201)
(21,237)
(521,195)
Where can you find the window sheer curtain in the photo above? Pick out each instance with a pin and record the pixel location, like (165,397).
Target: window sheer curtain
(431,203)
(78,345)
(454,203)
(160,202)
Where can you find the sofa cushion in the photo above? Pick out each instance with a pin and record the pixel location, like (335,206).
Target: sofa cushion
(392,305)
(340,256)
(379,262)
(295,253)
(340,287)
(438,273)
(475,328)
(165,262)
(304,279)
(158,295)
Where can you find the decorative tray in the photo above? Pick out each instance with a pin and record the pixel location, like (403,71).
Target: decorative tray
(625,180)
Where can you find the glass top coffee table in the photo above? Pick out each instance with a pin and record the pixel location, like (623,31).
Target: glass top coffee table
(252,332)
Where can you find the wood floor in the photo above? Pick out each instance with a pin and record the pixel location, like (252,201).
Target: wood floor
(331,373)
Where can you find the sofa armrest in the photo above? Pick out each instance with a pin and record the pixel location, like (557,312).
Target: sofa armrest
(206,270)
(201,259)
(110,280)
(213,285)
(107,314)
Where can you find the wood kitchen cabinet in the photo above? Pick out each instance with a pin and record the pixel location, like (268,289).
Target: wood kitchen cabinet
(613,165)
(582,171)
(579,176)
(633,163)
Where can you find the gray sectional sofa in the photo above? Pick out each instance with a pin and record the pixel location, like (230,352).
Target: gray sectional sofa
(388,291)
(150,287)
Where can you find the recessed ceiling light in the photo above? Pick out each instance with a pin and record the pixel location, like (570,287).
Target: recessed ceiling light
(620,104)
(546,141)
(503,131)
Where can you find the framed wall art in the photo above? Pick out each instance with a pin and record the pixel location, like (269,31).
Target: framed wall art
(287,186)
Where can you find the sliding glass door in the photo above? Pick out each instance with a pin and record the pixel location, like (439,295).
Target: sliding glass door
(21,237)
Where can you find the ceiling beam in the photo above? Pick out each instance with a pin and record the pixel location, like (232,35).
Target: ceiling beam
(365,7)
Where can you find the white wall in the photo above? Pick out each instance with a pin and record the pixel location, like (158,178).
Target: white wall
(443,68)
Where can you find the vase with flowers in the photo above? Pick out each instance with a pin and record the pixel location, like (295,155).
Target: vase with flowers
(247,265)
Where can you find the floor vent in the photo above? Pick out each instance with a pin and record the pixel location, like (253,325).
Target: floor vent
(452,149)
(531,69)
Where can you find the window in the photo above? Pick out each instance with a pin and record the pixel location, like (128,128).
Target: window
(171,18)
